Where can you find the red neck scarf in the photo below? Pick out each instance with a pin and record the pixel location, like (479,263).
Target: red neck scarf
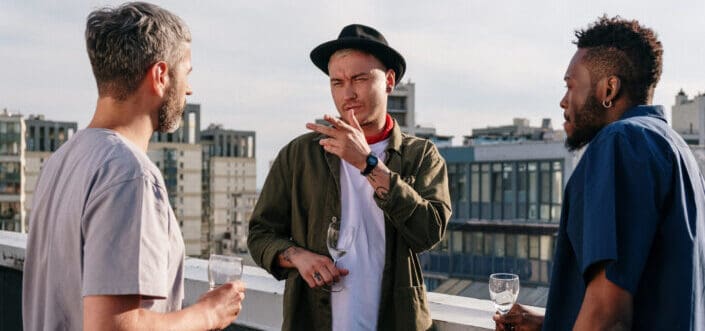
(388,126)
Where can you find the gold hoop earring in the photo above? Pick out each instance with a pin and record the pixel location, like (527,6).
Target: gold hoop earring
(607,104)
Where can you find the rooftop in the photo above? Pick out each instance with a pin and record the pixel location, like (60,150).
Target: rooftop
(262,308)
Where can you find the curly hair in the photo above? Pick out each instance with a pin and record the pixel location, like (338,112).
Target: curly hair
(623,48)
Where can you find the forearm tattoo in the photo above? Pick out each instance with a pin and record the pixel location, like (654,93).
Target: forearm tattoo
(289,253)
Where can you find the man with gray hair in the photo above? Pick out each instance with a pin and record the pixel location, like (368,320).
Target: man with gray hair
(105,251)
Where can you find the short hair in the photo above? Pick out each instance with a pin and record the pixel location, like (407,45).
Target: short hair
(623,48)
(124,42)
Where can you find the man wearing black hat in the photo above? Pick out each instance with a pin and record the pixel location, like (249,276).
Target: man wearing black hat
(385,189)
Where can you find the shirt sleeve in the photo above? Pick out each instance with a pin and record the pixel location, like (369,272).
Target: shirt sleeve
(125,233)
(626,177)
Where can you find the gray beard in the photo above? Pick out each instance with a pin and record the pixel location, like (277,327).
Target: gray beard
(170,113)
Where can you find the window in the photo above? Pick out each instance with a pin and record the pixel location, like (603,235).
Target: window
(496,191)
(474,191)
(511,242)
(396,102)
(545,191)
(546,248)
(485,191)
(499,244)
(467,242)
(533,191)
(508,191)
(534,247)
(489,244)
(477,243)
(457,241)
(522,246)
(557,191)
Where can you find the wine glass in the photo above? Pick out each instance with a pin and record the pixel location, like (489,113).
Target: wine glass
(223,269)
(504,289)
(339,242)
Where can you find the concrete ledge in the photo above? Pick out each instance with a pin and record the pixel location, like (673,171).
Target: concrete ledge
(264,297)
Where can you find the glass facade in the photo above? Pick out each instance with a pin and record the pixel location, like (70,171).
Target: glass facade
(519,190)
(505,217)
(477,254)
(10,138)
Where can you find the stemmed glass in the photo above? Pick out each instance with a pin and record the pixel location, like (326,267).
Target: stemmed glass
(223,269)
(504,289)
(339,242)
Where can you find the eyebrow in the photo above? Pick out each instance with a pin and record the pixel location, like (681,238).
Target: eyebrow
(335,79)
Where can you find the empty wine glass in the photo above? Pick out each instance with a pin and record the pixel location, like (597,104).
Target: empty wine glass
(339,242)
(504,289)
(223,269)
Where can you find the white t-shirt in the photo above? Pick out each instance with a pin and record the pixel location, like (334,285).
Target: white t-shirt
(356,307)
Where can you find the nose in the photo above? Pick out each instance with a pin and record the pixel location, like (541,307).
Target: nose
(188,89)
(349,92)
(564,101)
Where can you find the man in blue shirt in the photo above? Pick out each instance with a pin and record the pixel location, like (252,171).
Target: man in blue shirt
(631,245)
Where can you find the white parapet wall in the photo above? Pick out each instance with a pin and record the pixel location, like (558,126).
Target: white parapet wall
(262,308)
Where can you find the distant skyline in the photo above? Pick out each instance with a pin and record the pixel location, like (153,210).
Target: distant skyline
(475,63)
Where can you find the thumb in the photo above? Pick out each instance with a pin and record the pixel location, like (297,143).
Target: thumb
(344,272)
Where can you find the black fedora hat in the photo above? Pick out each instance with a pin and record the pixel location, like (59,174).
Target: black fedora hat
(364,38)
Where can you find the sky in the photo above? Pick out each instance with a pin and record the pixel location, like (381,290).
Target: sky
(475,63)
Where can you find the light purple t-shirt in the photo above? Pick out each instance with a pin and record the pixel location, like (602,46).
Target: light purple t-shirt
(101,224)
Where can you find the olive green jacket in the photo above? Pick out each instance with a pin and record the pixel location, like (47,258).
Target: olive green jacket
(302,194)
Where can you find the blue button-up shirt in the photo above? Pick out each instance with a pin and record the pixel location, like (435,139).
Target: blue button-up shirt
(636,202)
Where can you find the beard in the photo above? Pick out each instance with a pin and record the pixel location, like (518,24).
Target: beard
(170,112)
(588,121)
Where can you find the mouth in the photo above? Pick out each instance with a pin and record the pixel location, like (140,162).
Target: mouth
(354,107)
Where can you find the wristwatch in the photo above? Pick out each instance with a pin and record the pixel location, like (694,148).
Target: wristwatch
(371,161)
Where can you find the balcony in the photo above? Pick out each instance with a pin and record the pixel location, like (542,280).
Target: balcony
(262,309)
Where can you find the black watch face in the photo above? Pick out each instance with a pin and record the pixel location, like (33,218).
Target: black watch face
(372,160)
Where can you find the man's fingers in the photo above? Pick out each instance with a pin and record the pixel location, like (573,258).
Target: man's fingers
(328,131)
(343,271)
(351,119)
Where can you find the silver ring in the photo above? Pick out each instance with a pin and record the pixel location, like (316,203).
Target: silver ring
(317,276)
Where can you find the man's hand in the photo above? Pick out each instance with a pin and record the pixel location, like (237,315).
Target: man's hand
(346,140)
(317,270)
(215,310)
(223,304)
(518,319)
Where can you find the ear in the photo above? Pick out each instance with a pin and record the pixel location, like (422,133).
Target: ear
(390,80)
(158,77)
(609,88)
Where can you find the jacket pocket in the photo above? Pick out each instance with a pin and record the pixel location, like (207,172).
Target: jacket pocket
(411,308)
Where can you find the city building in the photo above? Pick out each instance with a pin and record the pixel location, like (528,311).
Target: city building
(506,199)
(43,137)
(229,176)
(12,142)
(180,164)
(235,239)
(688,118)
(519,130)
